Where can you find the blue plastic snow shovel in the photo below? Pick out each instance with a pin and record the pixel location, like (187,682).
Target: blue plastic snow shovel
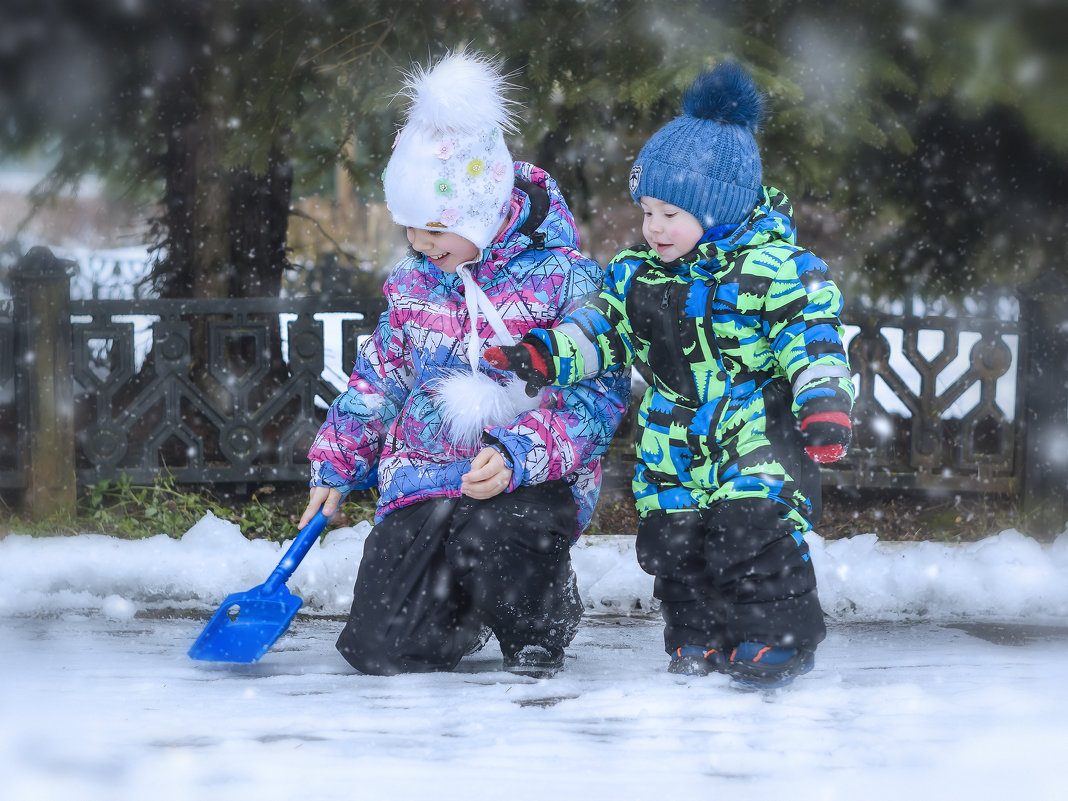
(247,624)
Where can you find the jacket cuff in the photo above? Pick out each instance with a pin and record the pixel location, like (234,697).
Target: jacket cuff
(513,458)
(323,474)
(575,355)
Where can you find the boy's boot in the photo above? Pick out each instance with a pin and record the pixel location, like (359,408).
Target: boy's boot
(693,660)
(755,666)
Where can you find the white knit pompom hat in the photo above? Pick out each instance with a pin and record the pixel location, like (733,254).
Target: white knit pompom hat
(450,169)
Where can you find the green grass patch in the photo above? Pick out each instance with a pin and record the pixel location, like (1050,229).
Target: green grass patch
(124,509)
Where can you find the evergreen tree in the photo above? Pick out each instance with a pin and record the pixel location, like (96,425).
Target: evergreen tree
(924,143)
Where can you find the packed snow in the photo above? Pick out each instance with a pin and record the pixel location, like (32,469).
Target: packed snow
(1006,577)
(943,673)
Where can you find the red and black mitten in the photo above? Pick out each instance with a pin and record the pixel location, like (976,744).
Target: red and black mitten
(826,435)
(530,360)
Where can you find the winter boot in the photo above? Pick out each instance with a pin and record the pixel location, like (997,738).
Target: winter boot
(480,641)
(755,666)
(536,661)
(693,660)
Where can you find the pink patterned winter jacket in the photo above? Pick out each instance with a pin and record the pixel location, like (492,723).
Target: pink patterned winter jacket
(390,416)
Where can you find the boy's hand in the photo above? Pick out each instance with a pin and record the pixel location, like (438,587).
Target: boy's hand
(826,435)
(529,360)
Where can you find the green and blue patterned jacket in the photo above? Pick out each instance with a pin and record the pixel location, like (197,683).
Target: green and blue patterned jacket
(741,337)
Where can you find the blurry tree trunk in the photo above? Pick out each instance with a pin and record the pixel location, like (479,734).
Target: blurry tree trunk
(259,217)
(223,229)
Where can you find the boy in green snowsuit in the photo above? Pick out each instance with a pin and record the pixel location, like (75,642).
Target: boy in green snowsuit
(750,389)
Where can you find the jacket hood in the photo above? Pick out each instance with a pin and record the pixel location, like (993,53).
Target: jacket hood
(771,222)
(543,215)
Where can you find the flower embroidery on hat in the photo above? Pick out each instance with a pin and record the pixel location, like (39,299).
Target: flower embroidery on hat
(452,153)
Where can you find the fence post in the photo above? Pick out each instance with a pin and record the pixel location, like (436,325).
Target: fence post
(44,382)
(1042,406)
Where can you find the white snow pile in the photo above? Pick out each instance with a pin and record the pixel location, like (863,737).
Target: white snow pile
(1005,577)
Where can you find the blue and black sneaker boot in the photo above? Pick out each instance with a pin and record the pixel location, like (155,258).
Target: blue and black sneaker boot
(755,666)
(693,660)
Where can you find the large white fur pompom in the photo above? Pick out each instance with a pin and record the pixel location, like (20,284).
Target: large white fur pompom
(462,93)
(471,402)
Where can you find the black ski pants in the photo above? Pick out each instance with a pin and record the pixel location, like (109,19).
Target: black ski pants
(435,572)
(733,573)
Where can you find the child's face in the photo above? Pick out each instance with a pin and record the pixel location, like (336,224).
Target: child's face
(446,250)
(669,230)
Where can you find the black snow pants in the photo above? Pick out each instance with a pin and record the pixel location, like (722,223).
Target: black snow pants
(733,573)
(434,573)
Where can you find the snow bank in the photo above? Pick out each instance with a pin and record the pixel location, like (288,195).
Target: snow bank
(1008,576)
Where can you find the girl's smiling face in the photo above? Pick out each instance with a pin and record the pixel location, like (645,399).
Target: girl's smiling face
(669,230)
(445,250)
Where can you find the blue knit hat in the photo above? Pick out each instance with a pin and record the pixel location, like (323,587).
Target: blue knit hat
(706,161)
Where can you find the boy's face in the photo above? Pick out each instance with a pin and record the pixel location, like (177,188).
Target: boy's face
(446,250)
(669,230)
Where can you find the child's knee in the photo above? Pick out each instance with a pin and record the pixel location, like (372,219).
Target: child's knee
(670,545)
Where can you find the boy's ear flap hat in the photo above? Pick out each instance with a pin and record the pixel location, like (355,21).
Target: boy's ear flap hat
(450,169)
(706,161)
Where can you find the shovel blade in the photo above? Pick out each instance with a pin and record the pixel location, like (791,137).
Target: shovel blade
(246,625)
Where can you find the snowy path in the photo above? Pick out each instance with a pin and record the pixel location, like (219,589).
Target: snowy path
(93,707)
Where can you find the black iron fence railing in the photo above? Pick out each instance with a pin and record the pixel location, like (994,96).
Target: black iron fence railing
(233,391)
(242,410)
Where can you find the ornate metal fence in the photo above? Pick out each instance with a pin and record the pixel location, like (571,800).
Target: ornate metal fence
(233,391)
(243,415)
(921,441)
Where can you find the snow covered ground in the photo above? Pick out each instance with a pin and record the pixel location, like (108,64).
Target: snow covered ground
(943,674)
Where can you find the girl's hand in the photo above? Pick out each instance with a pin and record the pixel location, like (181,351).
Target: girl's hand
(489,475)
(325,497)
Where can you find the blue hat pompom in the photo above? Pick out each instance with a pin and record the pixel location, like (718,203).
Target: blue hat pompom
(706,161)
(728,95)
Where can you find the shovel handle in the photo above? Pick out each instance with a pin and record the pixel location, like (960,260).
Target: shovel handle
(303,542)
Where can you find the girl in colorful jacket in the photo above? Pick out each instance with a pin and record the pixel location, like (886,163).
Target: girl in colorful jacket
(483,488)
(750,389)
